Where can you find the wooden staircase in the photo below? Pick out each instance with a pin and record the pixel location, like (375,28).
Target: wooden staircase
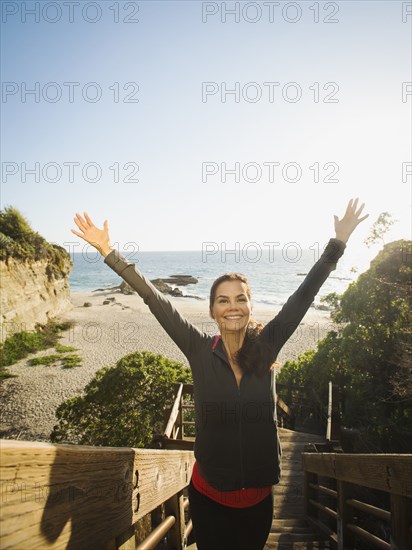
(289,528)
(303,521)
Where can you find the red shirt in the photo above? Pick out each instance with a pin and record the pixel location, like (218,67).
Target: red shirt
(235,499)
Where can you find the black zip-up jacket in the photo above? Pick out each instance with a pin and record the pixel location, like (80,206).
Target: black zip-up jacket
(237,444)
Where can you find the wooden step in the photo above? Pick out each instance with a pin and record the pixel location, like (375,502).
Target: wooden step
(300,522)
(290,536)
(296,545)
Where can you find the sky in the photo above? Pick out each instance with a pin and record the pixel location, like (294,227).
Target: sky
(188,122)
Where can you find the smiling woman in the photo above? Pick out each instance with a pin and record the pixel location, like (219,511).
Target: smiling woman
(230,303)
(230,306)
(237,453)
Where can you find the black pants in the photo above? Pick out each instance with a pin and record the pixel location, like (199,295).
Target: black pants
(218,527)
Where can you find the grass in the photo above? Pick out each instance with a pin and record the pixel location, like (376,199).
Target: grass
(20,345)
(70,361)
(45,360)
(4,374)
(66,361)
(63,349)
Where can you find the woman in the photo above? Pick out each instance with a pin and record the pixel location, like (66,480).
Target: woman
(237,447)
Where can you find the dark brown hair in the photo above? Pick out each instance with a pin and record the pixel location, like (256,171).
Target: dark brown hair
(256,354)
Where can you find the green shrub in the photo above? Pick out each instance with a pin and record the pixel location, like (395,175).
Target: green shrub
(369,357)
(20,242)
(123,405)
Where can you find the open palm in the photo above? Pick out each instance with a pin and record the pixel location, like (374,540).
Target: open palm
(99,238)
(350,220)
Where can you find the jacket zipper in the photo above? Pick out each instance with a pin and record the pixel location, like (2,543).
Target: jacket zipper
(242,474)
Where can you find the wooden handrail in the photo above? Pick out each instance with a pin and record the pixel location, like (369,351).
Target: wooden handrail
(323,508)
(304,404)
(325,490)
(282,405)
(173,433)
(376,542)
(333,426)
(368,508)
(390,473)
(175,423)
(174,412)
(157,534)
(86,497)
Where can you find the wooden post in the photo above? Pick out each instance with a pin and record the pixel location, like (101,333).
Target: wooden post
(126,541)
(156,517)
(310,493)
(289,397)
(345,515)
(401,522)
(174,507)
(333,429)
(180,419)
(290,403)
(170,430)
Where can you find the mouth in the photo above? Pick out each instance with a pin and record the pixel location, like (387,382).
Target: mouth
(233,317)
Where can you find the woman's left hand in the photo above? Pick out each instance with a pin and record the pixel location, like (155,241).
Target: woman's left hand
(350,220)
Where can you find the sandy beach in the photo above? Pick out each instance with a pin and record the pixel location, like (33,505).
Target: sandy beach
(103,334)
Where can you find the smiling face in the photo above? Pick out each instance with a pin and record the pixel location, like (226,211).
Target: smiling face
(231,307)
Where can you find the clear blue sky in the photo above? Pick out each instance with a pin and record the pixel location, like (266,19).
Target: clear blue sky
(358,126)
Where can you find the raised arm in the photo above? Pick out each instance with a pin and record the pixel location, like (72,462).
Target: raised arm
(279,330)
(185,335)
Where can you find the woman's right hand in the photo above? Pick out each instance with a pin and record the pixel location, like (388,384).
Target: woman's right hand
(99,238)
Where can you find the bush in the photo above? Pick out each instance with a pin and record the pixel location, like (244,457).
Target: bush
(20,242)
(370,355)
(123,405)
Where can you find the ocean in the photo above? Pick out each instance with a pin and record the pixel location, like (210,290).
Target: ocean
(273,273)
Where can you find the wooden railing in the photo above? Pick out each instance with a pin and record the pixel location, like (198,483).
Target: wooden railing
(333,428)
(295,404)
(341,510)
(179,430)
(307,412)
(176,422)
(77,497)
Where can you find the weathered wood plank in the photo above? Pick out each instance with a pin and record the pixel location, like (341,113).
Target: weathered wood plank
(174,506)
(333,427)
(401,519)
(174,413)
(69,496)
(387,472)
